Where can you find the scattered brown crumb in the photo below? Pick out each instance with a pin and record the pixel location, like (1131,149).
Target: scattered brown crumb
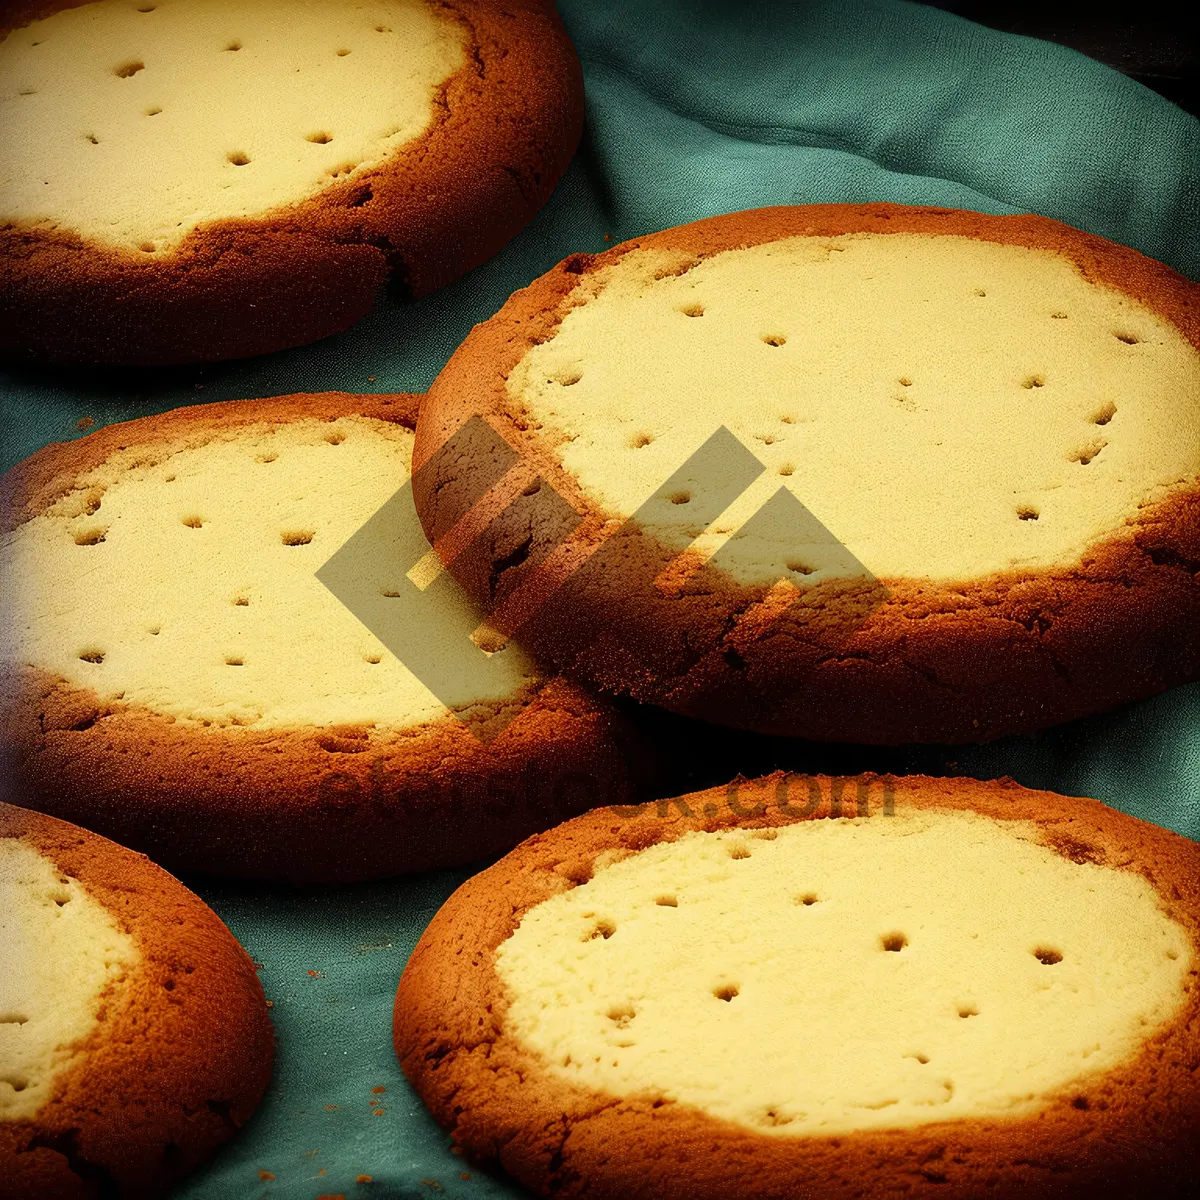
(332,1196)
(378,1112)
(321,1172)
(378,1091)
(85,422)
(265,1175)
(370,378)
(317,974)
(464,1175)
(332,1107)
(363,1179)
(270,1003)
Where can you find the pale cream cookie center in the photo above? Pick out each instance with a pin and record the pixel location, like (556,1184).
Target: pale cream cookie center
(129,122)
(62,951)
(184,580)
(946,408)
(838,975)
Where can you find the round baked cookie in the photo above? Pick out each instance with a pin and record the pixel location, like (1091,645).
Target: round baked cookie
(198,655)
(188,180)
(134,1036)
(803,986)
(857,473)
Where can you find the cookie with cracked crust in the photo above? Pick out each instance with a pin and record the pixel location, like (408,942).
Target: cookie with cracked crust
(802,986)
(859,473)
(134,1035)
(191,180)
(213,650)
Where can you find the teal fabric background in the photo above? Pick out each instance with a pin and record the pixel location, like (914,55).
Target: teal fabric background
(693,109)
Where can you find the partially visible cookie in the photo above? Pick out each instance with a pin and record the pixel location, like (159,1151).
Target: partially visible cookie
(215,648)
(134,1036)
(186,180)
(802,986)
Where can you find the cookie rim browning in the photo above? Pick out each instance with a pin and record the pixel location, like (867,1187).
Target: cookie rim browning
(189,1042)
(936,661)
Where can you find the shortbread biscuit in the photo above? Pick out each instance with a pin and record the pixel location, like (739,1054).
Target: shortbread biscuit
(858,473)
(186,180)
(812,987)
(134,1035)
(177,676)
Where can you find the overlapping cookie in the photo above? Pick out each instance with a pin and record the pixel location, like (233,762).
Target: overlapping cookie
(219,648)
(822,987)
(134,1036)
(861,473)
(184,180)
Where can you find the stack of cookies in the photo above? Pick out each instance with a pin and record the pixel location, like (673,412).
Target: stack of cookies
(859,473)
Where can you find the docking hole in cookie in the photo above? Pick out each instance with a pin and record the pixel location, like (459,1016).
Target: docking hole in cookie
(1015,1001)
